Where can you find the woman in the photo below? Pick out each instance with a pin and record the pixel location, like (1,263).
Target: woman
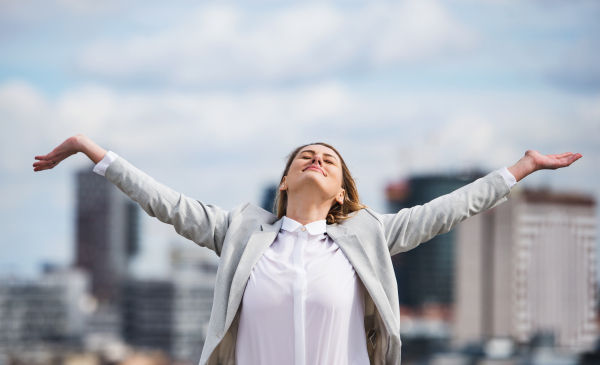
(314,284)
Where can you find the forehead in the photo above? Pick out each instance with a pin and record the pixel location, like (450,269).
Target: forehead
(319,149)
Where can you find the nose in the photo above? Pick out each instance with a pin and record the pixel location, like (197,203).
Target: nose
(316,160)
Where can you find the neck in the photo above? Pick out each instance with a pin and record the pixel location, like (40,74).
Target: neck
(305,211)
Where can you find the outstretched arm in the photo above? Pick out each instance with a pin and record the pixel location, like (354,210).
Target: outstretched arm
(411,226)
(204,224)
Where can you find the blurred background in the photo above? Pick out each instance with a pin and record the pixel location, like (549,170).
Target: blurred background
(420,98)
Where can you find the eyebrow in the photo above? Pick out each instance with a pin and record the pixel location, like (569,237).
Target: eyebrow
(313,152)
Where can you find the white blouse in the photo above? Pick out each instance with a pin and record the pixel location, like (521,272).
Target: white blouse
(303,303)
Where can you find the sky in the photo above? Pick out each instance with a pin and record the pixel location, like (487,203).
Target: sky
(208,98)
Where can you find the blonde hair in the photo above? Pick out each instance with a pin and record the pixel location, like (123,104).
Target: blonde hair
(338,212)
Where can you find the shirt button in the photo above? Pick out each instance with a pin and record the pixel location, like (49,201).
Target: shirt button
(303,229)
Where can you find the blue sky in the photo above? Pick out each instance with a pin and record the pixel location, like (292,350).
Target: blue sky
(208,98)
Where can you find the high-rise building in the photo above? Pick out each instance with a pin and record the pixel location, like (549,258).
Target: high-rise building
(526,267)
(268,199)
(425,274)
(107,233)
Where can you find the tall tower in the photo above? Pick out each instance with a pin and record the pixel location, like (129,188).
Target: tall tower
(268,199)
(425,274)
(528,266)
(106,233)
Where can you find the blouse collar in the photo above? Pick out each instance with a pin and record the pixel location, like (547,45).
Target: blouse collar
(313,228)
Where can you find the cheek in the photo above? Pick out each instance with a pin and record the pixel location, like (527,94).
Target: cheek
(293,173)
(336,181)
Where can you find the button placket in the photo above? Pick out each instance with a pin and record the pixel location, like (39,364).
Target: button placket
(299,293)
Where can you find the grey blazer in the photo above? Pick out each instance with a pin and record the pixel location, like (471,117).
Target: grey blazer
(368,239)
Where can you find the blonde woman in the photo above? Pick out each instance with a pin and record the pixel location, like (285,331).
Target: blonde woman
(313,284)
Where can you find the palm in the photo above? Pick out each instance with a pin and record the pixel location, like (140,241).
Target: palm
(552,162)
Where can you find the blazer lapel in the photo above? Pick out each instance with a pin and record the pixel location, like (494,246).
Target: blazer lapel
(257,245)
(356,254)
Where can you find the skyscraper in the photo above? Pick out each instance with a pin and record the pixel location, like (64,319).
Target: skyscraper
(425,274)
(527,267)
(106,233)
(268,199)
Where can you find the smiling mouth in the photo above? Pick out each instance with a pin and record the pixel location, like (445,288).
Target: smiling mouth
(312,167)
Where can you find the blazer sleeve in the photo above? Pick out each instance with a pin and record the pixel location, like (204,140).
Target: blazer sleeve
(409,227)
(204,224)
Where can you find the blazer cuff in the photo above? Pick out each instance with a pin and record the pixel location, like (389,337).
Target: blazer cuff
(100,167)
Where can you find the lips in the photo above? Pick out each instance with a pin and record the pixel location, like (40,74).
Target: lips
(316,168)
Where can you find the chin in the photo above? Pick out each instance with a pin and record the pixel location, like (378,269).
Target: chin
(311,182)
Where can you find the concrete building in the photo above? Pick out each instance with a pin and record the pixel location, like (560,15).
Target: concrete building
(148,310)
(106,233)
(194,271)
(526,267)
(425,274)
(50,309)
(172,314)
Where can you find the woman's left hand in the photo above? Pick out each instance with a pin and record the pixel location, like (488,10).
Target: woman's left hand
(533,161)
(552,162)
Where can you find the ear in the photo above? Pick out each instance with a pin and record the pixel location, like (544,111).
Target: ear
(340,197)
(283,185)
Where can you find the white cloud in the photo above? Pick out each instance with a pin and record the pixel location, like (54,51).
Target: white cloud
(26,117)
(224,44)
(414,31)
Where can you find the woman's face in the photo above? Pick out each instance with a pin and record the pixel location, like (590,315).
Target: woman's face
(316,169)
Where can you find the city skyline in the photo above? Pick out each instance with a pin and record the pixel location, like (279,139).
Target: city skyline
(171,314)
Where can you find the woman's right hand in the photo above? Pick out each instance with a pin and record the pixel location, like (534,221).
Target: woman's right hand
(69,147)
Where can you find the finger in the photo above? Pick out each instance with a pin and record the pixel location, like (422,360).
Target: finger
(574,158)
(45,166)
(561,155)
(44,163)
(41,162)
(48,164)
(567,161)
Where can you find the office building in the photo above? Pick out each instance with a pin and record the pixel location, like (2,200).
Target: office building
(51,309)
(268,199)
(194,271)
(106,233)
(527,267)
(147,310)
(172,314)
(425,274)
